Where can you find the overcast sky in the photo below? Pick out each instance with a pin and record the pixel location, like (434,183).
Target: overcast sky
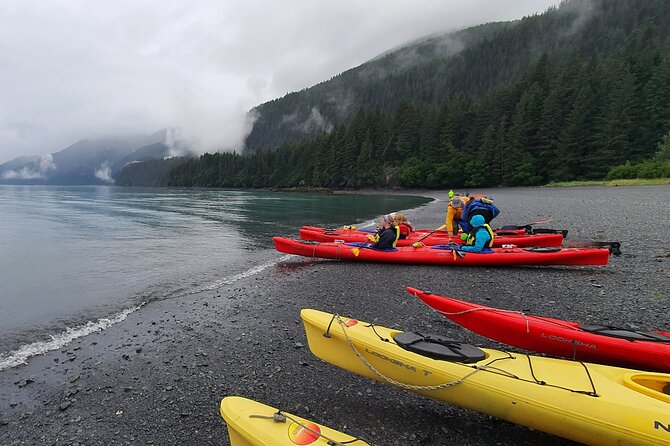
(79,69)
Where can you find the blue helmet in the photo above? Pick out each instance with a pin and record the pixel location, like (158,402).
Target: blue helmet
(477,221)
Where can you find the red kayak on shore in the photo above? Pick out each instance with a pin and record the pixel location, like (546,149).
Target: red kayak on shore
(445,254)
(582,342)
(519,237)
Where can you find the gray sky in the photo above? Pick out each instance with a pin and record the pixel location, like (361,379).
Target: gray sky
(79,69)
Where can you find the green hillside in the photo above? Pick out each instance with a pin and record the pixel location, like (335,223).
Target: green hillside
(566,95)
(469,62)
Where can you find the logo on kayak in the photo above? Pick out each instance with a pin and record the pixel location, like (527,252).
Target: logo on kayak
(569,341)
(398,363)
(658,424)
(351,322)
(303,433)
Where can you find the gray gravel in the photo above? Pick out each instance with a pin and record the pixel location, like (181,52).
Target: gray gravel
(158,377)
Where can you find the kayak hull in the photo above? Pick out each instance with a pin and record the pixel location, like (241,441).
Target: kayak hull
(588,403)
(428,237)
(245,430)
(433,256)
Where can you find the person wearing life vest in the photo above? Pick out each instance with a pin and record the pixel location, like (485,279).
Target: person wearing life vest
(387,236)
(404,226)
(454,211)
(479,238)
(477,206)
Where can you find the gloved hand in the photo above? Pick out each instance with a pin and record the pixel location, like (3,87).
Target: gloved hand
(371,238)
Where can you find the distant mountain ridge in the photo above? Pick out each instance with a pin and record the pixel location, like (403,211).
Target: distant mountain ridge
(91,161)
(469,62)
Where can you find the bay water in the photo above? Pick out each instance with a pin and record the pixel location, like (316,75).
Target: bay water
(77,259)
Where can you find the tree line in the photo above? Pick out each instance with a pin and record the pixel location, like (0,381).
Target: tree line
(569,121)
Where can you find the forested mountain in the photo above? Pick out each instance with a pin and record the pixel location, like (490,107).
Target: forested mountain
(596,97)
(91,161)
(469,62)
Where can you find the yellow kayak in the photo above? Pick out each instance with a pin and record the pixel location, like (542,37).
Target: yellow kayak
(254,424)
(589,403)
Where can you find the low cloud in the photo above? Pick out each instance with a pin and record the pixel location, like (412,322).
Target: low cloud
(314,123)
(33,172)
(104,172)
(90,69)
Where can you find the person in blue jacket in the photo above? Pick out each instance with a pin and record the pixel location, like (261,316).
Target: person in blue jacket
(480,236)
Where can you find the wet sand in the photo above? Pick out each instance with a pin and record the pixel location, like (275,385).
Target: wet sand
(158,376)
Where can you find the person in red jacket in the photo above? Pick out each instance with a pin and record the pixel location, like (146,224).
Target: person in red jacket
(404,226)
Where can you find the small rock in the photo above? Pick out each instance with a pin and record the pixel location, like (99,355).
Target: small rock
(64,405)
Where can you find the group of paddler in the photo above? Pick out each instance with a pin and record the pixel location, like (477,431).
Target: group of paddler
(468,217)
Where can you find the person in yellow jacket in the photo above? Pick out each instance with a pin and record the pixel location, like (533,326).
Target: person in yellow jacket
(456,204)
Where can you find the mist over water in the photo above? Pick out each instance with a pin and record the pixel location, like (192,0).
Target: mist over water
(72,255)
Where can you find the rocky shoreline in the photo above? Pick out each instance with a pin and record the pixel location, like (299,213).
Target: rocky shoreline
(158,376)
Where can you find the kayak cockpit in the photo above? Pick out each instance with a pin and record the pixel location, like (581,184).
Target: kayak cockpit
(655,385)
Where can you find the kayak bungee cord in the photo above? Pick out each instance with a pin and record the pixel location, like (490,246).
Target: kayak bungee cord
(486,367)
(543,383)
(280,417)
(386,378)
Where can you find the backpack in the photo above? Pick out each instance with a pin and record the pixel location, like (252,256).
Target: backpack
(480,206)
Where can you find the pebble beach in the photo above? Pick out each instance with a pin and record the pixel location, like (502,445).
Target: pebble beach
(158,376)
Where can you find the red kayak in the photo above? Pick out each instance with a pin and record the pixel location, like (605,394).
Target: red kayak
(445,254)
(589,343)
(429,237)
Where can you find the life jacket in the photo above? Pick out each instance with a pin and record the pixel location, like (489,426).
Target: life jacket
(480,206)
(404,230)
(472,235)
(395,229)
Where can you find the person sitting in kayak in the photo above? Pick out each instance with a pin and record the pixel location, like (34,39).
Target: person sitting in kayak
(480,236)
(404,226)
(477,206)
(387,236)
(454,210)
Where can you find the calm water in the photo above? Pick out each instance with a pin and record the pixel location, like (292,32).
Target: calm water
(72,255)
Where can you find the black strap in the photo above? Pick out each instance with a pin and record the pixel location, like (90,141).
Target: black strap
(624,333)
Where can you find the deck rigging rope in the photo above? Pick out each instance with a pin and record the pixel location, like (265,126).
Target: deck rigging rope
(281,417)
(486,367)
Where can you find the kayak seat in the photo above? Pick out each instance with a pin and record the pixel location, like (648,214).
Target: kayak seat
(550,231)
(543,249)
(439,347)
(625,334)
